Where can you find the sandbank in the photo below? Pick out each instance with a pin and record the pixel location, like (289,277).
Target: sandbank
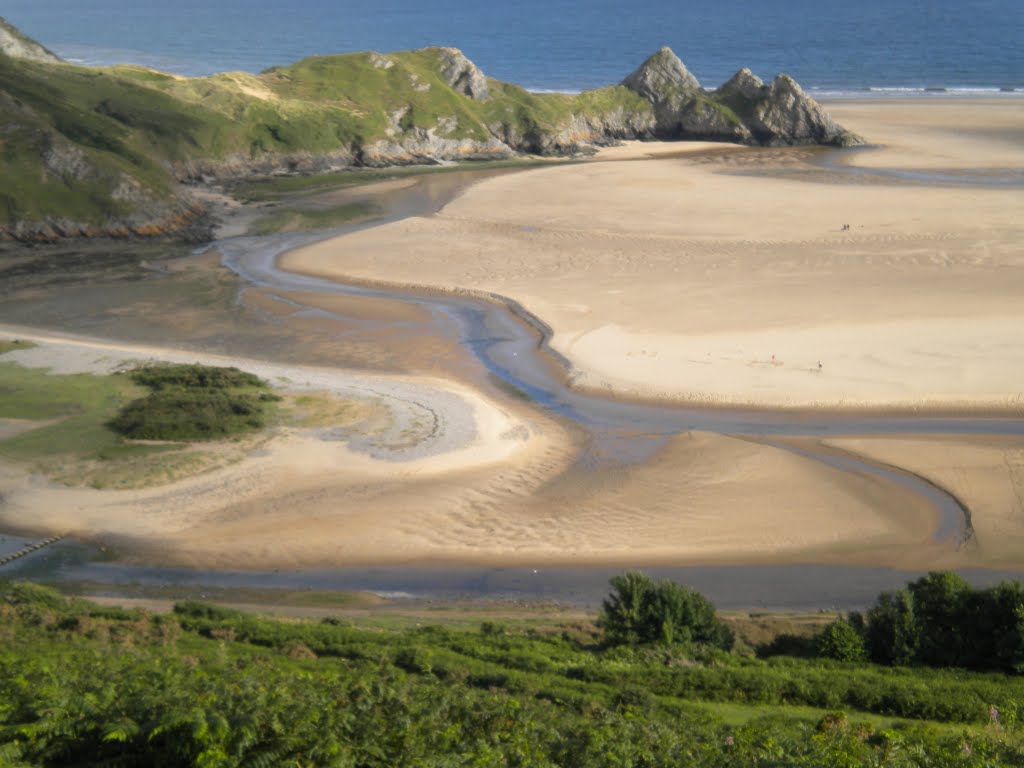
(453,477)
(424,433)
(985,473)
(703,281)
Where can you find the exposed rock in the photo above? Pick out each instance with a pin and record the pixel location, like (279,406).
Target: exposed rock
(63,159)
(19,46)
(578,133)
(447,124)
(667,84)
(704,119)
(395,120)
(182,219)
(661,77)
(787,115)
(417,84)
(744,109)
(462,74)
(743,85)
(420,146)
(240,166)
(380,62)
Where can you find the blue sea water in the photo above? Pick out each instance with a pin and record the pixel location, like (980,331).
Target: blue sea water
(830,46)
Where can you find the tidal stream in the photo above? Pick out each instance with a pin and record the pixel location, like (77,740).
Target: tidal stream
(512,346)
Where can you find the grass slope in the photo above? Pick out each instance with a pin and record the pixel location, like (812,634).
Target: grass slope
(92,148)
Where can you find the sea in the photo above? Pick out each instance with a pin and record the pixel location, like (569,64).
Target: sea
(832,47)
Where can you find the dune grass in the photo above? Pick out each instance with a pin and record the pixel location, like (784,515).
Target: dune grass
(90,145)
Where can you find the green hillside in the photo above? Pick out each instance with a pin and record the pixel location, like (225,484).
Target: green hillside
(104,150)
(87,148)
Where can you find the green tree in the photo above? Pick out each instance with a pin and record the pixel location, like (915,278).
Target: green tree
(993,625)
(891,634)
(840,641)
(640,610)
(939,601)
(622,612)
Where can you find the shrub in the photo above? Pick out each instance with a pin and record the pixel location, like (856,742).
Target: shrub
(640,610)
(193,402)
(840,641)
(171,375)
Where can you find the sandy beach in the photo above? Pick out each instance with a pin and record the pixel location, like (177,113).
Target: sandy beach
(706,273)
(729,279)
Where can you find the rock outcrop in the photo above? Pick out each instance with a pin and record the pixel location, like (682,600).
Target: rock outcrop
(18,46)
(423,146)
(667,84)
(463,75)
(787,115)
(744,109)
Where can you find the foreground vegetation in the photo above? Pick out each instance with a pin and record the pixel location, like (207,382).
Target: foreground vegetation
(88,685)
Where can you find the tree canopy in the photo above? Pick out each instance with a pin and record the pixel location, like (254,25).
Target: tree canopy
(640,610)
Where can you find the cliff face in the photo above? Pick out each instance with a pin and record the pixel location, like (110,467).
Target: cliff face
(18,46)
(89,152)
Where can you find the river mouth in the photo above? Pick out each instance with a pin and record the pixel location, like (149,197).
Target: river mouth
(510,346)
(505,345)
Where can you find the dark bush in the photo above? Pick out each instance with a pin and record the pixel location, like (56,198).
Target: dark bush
(840,641)
(640,610)
(171,375)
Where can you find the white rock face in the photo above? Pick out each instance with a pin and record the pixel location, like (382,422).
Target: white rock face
(17,46)
(463,75)
(789,116)
(380,62)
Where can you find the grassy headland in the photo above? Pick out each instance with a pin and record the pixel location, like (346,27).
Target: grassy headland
(98,151)
(86,147)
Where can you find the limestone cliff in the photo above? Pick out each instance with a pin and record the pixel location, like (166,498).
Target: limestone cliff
(18,46)
(463,75)
(743,110)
